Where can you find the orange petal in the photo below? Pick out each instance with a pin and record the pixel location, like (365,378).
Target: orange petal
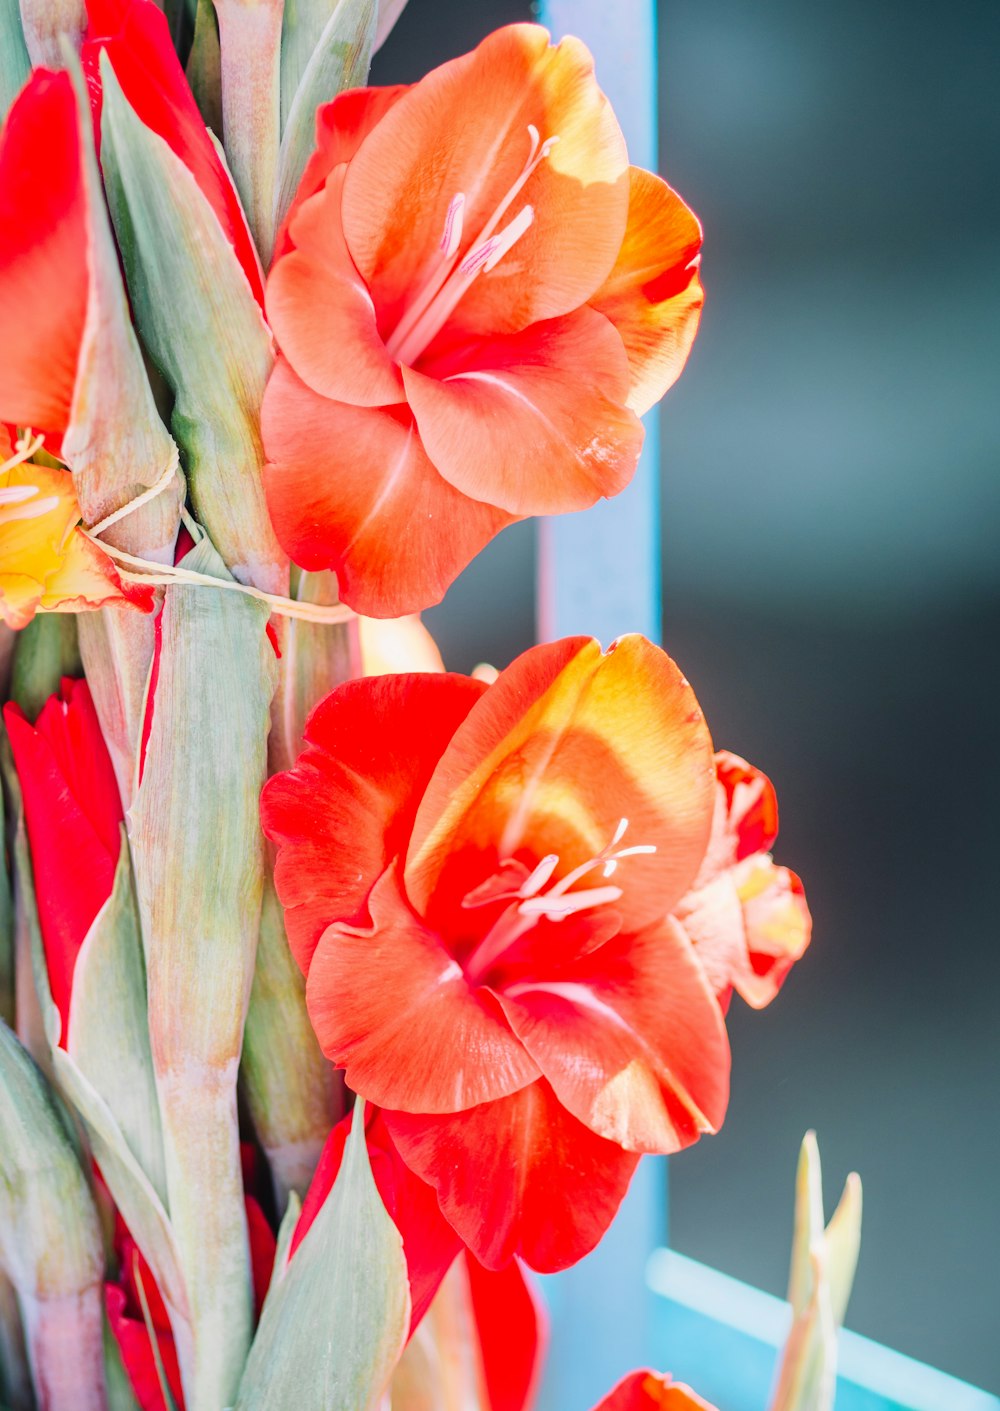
(464,129)
(43,254)
(321,312)
(351,489)
(569,741)
(341,127)
(653,295)
(519,1176)
(534,422)
(631,1040)
(392,1008)
(650,1391)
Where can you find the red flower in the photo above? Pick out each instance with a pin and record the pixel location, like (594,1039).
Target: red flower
(748,919)
(43,256)
(128,1323)
(73,816)
(473,297)
(136,38)
(651,1391)
(476,881)
(430,1245)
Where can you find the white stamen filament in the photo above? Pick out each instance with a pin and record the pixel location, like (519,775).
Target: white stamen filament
(17,494)
(530,904)
(446,285)
(35,510)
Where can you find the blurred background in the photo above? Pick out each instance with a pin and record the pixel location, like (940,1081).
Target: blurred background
(831,516)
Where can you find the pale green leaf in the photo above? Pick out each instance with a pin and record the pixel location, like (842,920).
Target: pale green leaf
(326,49)
(389,12)
(45,652)
(15,66)
(334,1327)
(250,51)
(108,1036)
(199,864)
(198,318)
(292,1091)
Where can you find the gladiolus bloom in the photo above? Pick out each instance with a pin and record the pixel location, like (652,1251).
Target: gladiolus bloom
(47,562)
(474,298)
(476,880)
(747,917)
(73,816)
(136,37)
(651,1391)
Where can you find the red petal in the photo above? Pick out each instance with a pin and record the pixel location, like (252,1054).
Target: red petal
(650,1391)
(653,295)
(513,1329)
(341,127)
(72,812)
(465,129)
(321,312)
(137,1354)
(137,40)
(346,809)
(631,1039)
(534,422)
(351,489)
(564,745)
(520,1176)
(262,1249)
(43,254)
(392,1008)
(429,1243)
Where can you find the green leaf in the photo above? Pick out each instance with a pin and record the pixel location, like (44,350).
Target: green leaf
(15,65)
(204,66)
(292,1091)
(250,42)
(6,917)
(197,316)
(334,1327)
(325,50)
(45,652)
(389,12)
(198,856)
(108,1036)
(50,1239)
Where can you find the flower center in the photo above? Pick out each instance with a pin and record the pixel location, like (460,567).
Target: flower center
(20,501)
(451,277)
(530,902)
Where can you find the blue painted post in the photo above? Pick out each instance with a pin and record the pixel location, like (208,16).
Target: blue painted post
(599,575)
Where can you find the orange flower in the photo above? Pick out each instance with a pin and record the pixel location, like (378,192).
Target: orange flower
(474,299)
(47,563)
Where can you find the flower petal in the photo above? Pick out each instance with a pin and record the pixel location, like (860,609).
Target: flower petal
(136,1350)
(464,130)
(346,809)
(321,312)
(88,578)
(513,1331)
(650,1391)
(341,127)
(520,1176)
(43,254)
(653,295)
(393,1009)
(631,1039)
(72,813)
(565,744)
(351,489)
(137,40)
(534,422)
(429,1243)
(391,644)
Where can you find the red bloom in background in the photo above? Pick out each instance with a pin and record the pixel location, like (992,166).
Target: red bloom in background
(509,1319)
(127,1320)
(747,917)
(43,256)
(73,815)
(651,1391)
(477,882)
(136,38)
(473,297)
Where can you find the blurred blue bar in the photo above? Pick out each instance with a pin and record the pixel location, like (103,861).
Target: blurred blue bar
(599,571)
(722,1337)
(599,575)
